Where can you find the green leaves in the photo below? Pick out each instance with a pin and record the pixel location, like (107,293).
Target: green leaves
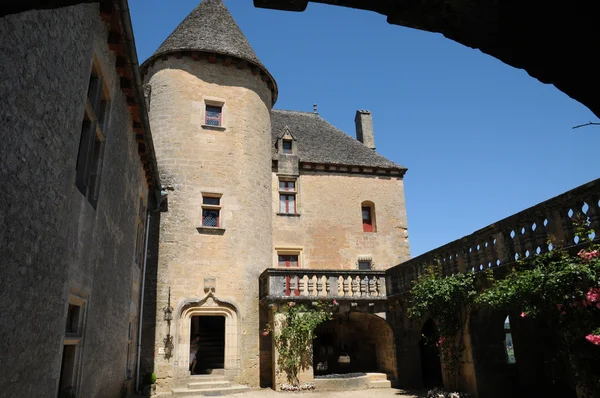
(295,334)
(442,298)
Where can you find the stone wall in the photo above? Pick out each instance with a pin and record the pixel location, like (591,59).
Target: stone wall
(54,245)
(234,162)
(328,233)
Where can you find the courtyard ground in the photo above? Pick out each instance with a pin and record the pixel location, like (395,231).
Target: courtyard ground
(372,393)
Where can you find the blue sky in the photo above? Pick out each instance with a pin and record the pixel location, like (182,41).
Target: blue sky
(481,140)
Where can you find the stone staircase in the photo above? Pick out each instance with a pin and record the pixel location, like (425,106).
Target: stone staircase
(378,380)
(208,385)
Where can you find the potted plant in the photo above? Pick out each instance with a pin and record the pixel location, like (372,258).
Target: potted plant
(149,384)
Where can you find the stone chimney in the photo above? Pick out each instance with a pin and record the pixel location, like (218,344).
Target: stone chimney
(364,128)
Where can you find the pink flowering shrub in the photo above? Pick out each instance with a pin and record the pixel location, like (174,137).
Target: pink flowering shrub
(593,338)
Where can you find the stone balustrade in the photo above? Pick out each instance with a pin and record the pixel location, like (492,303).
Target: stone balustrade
(521,235)
(276,284)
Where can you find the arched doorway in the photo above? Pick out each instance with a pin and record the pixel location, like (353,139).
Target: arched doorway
(209,332)
(431,366)
(354,343)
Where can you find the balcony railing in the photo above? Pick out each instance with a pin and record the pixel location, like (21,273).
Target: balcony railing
(521,235)
(309,284)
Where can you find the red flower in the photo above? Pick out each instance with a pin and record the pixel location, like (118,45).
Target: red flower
(559,307)
(335,302)
(265,333)
(523,314)
(292,304)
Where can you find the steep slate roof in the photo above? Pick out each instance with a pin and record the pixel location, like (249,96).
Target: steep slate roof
(210,28)
(320,142)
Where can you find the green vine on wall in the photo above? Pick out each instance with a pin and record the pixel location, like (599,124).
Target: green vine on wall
(294,333)
(558,288)
(446,300)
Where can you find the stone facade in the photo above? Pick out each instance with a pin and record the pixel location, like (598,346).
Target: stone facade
(327,232)
(58,251)
(233,163)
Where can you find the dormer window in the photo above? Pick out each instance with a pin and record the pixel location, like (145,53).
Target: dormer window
(287,146)
(214,116)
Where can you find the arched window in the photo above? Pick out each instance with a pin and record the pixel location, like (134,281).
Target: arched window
(368,216)
(508,342)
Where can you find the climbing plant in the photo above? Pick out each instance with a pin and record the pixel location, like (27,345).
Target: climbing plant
(561,290)
(293,335)
(446,300)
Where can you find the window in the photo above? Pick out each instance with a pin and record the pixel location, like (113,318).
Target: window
(93,133)
(140,240)
(214,115)
(288,260)
(292,282)
(508,342)
(71,364)
(211,211)
(368,216)
(364,265)
(287,146)
(287,197)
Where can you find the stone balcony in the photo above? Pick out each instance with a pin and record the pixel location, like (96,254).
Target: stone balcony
(532,231)
(357,290)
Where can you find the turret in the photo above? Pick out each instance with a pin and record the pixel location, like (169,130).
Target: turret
(210,100)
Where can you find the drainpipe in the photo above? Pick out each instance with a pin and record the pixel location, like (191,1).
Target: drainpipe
(141,316)
(160,197)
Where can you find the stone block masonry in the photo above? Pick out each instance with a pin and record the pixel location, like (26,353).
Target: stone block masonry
(55,247)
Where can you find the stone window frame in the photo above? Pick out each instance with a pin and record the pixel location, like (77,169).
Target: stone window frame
(216,102)
(288,192)
(372,225)
(364,259)
(288,251)
(75,339)
(220,228)
(94,130)
(287,136)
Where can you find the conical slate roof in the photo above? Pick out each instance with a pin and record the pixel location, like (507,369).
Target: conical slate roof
(210,28)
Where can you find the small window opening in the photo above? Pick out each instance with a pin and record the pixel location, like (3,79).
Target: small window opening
(72,326)
(214,115)
(287,146)
(508,342)
(367,219)
(211,211)
(364,265)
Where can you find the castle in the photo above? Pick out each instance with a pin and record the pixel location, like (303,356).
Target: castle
(138,242)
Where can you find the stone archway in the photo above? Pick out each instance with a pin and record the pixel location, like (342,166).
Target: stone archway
(209,306)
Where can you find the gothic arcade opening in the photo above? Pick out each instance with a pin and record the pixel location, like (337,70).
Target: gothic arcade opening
(207,343)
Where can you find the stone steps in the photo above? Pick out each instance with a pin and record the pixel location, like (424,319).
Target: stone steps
(211,392)
(208,385)
(380,384)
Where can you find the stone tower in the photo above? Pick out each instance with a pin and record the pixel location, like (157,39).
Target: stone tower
(210,101)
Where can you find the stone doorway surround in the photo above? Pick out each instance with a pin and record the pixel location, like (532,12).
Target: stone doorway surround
(208,306)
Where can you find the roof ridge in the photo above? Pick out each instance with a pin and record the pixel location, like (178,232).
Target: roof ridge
(319,141)
(294,111)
